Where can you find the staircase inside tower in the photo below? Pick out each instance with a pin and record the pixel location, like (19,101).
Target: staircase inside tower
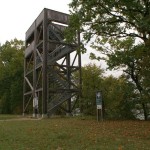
(61,85)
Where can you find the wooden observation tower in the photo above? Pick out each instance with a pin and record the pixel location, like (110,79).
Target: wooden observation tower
(51,66)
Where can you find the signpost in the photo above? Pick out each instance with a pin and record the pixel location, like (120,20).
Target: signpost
(99,105)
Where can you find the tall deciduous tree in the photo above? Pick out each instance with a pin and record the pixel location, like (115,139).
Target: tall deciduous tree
(92,77)
(11,76)
(131,60)
(120,30)
(119,98)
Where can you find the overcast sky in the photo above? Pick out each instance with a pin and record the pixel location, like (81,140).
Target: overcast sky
(17,15)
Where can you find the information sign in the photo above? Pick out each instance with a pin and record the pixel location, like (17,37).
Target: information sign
(98,100)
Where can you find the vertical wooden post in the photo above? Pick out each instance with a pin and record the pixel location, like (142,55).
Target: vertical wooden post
(69,80)
(79,64)
(44,81)
(24,87)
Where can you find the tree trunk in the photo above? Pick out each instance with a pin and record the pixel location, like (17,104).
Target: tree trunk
(139,87)
(145,111)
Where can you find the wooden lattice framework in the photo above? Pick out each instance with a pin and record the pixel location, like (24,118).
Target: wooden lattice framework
(51,66)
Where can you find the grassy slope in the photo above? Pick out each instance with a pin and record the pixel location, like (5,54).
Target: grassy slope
(74,134)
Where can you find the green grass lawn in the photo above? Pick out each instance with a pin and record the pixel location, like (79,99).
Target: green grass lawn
(6,117)
(73,134)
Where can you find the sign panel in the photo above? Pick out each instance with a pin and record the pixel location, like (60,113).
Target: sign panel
(98,100)
(99,106)
(35,102)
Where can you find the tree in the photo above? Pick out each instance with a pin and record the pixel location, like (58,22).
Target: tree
(11,76)
(92,77)
(111,18)
(109,26)
(131,62)
(117,93)
(118,96)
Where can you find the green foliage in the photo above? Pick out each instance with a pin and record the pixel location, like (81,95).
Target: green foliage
(111,18)
(132,60)
(11,76)
(117,94)
(92,77)
(119,30)
(118,98)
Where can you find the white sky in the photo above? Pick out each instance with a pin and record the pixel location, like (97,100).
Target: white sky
(17,15)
